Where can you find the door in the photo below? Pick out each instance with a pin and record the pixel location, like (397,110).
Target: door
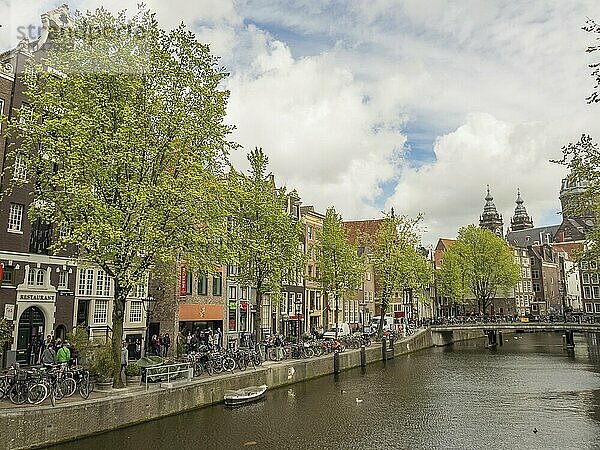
(30,335)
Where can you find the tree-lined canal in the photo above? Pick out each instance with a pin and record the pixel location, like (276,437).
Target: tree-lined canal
(463,396)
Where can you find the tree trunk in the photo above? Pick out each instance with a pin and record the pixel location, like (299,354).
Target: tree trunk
(336,316)
(120,297)
(258,317)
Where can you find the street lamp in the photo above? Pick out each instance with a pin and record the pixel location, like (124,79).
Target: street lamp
(298,304)
(148,303)
(362,317)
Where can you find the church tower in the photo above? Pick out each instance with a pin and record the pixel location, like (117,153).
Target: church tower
(490,218)
(571,192)
(521,220)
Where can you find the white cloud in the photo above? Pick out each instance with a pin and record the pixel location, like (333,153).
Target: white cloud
(451,190)
(332,90)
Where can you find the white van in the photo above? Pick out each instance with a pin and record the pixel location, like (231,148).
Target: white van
(343,330)
(387,325)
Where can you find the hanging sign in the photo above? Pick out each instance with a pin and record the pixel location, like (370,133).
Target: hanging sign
(182,281)
(9,312)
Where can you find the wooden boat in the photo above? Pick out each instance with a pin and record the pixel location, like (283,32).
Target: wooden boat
(245,395)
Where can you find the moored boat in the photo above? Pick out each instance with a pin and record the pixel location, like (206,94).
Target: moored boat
(245,395)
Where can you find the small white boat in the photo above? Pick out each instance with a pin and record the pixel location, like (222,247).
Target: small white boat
(245,395)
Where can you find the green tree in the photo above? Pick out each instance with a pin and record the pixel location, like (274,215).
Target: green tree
(341,268)
(397,262)
(5,334)
(478,263)
(266,236)
(126,143)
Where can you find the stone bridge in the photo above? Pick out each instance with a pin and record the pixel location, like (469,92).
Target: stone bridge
(444,334)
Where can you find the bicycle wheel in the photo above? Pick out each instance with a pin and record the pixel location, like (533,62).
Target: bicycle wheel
(197,369)
(272,354)
(85,389)
(68,386)
(242,363)
(257,358)
(228,364)
(18,393)
(218,365)
(367,342)
(210,369)
(37,393)
(309,352)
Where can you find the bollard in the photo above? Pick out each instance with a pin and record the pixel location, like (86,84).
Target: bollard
(500,337)
(384,348)
(336,362)
(363,356)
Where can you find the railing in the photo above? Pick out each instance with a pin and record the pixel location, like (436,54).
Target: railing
(156,373)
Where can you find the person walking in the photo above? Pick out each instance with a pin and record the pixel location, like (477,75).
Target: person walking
(219,339)
(166,343)
(48,356)
(124,360)
(63,355)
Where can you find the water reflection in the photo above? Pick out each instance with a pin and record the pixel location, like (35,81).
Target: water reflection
(463,396)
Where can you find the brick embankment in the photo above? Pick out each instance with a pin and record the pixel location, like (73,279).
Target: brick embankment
(38,426)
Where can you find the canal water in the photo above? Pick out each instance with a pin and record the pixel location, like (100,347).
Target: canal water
(463,397)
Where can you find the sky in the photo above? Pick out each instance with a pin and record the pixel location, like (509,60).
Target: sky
(416,104)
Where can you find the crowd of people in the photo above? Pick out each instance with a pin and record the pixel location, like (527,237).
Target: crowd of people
(208,338)
(57,352)
(160,344)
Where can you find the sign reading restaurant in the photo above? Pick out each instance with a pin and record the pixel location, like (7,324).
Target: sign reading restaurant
(36,297)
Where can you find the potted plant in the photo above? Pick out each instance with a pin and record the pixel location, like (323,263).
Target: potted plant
(133,373)
(103,367)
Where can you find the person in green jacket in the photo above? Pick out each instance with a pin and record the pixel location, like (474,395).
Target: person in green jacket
(63,354)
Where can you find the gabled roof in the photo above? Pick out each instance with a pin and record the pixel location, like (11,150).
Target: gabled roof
(356,228)
(440,248)
(523,238)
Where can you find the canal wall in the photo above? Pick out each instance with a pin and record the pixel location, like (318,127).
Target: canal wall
(33,427)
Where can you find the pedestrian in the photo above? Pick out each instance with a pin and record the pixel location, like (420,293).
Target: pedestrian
(158,345)
(124,358)
(166,343)
(154,344)
(219,339)
(63,355)
(48,356)
(188,342)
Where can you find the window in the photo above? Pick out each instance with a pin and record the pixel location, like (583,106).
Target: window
(536,287)
(15,217)
(232,270)
(86,281)
(587,292)
(585,278)
(594,278)
(593,265)
(100,311)
(244,293)
(317,273)
(20,168)
(588,308)
(535,273)
(368,276)
(8,275)
(217,289)
(63,279)
(135,311)
(39,277)
(232,292)
(309,231)
(100,282)
(597,307)
(31,277)
(202,284)
(596,291)
(310,270)
(188,283)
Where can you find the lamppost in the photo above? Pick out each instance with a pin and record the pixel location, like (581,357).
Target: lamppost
(149,303)
(298,304)
(362,317)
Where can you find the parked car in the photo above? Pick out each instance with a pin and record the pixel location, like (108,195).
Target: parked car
(342,330)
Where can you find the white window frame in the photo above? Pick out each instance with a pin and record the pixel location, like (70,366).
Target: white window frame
(15,218)
(39,277)
(31,277)
(585,278)
(135,311)
(596,292)
(100,311)
(63,279)
(20,168)
(597,307)
(589,307)
(232,292)
(587,292)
